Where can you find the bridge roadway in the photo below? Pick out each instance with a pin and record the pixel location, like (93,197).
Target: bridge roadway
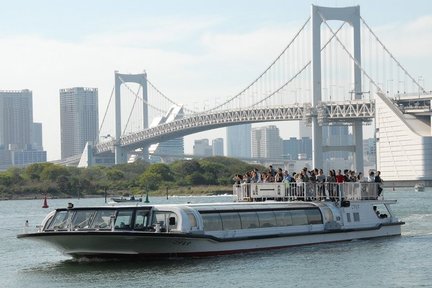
(326,112)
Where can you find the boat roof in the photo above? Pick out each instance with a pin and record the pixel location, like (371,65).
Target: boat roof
(208,206)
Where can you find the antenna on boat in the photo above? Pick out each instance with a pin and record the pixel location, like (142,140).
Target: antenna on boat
(45,204)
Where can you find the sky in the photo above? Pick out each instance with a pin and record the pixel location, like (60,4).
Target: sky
(193,50)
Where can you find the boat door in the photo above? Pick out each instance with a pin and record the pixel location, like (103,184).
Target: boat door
(164,221)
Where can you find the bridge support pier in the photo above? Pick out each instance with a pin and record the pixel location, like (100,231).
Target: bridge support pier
(350,15)
(141,79)
(358,142)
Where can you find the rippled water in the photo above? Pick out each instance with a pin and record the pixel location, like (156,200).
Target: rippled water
(404,261)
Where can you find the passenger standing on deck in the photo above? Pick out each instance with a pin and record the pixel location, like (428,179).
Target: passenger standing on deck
(339,177)
(321,178)
(379,181)
(287,176)
(272,172)
(339,181)
(279,175)
(371,177)
(303,173)
(265,177)
(256,176)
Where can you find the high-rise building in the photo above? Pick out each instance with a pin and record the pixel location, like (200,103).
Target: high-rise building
(239,141)
(16,118)
(20,138)
(295,149)
(218,147)
(336,136)
(36,136)
(202,148)
(79,119)
(266,142)
(304,130)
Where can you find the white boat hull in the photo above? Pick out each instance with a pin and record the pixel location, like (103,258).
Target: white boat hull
(145,244)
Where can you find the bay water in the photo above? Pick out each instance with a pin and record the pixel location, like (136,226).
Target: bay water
(404,261)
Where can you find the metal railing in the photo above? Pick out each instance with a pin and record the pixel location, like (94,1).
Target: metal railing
(306,191)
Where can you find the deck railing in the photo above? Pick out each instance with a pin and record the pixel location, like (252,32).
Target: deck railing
(306,191)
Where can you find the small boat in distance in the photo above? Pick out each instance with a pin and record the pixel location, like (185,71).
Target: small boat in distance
(262,216)
(125,199)
(419,187)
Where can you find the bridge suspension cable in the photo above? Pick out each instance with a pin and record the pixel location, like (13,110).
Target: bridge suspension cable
(349,53)
(168,99)
(392,57)
(146,102)
(263,73)
(105,114)
(131,111)
(298,73)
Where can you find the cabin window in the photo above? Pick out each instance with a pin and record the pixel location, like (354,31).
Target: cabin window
(328,214)
(82,218)
(299,217)
(123,220)
(230,221)
(348,217)
(313,216)
(192,220)
(249,220)
(283,218)
(59,222)
(162,218)
(356,216)
(212,222)
(102,219)
(266,219)
(141,219)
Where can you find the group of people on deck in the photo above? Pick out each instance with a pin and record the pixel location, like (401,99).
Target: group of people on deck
(310,176)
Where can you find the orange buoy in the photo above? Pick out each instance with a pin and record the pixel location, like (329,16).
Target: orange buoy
(45,205)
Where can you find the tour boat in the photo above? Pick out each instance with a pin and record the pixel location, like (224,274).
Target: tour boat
(125,199)
(419,187)
(263,216)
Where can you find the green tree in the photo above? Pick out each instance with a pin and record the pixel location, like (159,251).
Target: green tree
(150,181)
(63,184)
(115,175)
(196,178)
(15,175)
(52,172)
(5,179)
(34,171)
(161,169)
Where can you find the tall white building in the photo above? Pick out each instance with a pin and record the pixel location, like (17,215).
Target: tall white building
(218,147)
(304,130)
(36,136)
(266,142)
(239,141)
(20,138)
(202,148)
(16,118)
(79,119)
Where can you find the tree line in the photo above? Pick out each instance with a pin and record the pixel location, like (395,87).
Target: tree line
(134,178)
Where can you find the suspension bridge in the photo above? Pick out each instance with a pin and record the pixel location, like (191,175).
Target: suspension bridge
(330,73)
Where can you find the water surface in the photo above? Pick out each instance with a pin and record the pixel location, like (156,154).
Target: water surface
(403,261)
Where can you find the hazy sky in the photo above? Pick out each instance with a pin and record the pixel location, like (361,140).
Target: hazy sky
(192,50)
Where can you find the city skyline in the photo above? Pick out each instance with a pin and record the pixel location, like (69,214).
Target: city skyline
(200,42)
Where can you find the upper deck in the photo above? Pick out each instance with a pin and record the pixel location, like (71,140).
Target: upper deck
(307,191)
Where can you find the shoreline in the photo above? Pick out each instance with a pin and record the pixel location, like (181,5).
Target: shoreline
(183,191)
